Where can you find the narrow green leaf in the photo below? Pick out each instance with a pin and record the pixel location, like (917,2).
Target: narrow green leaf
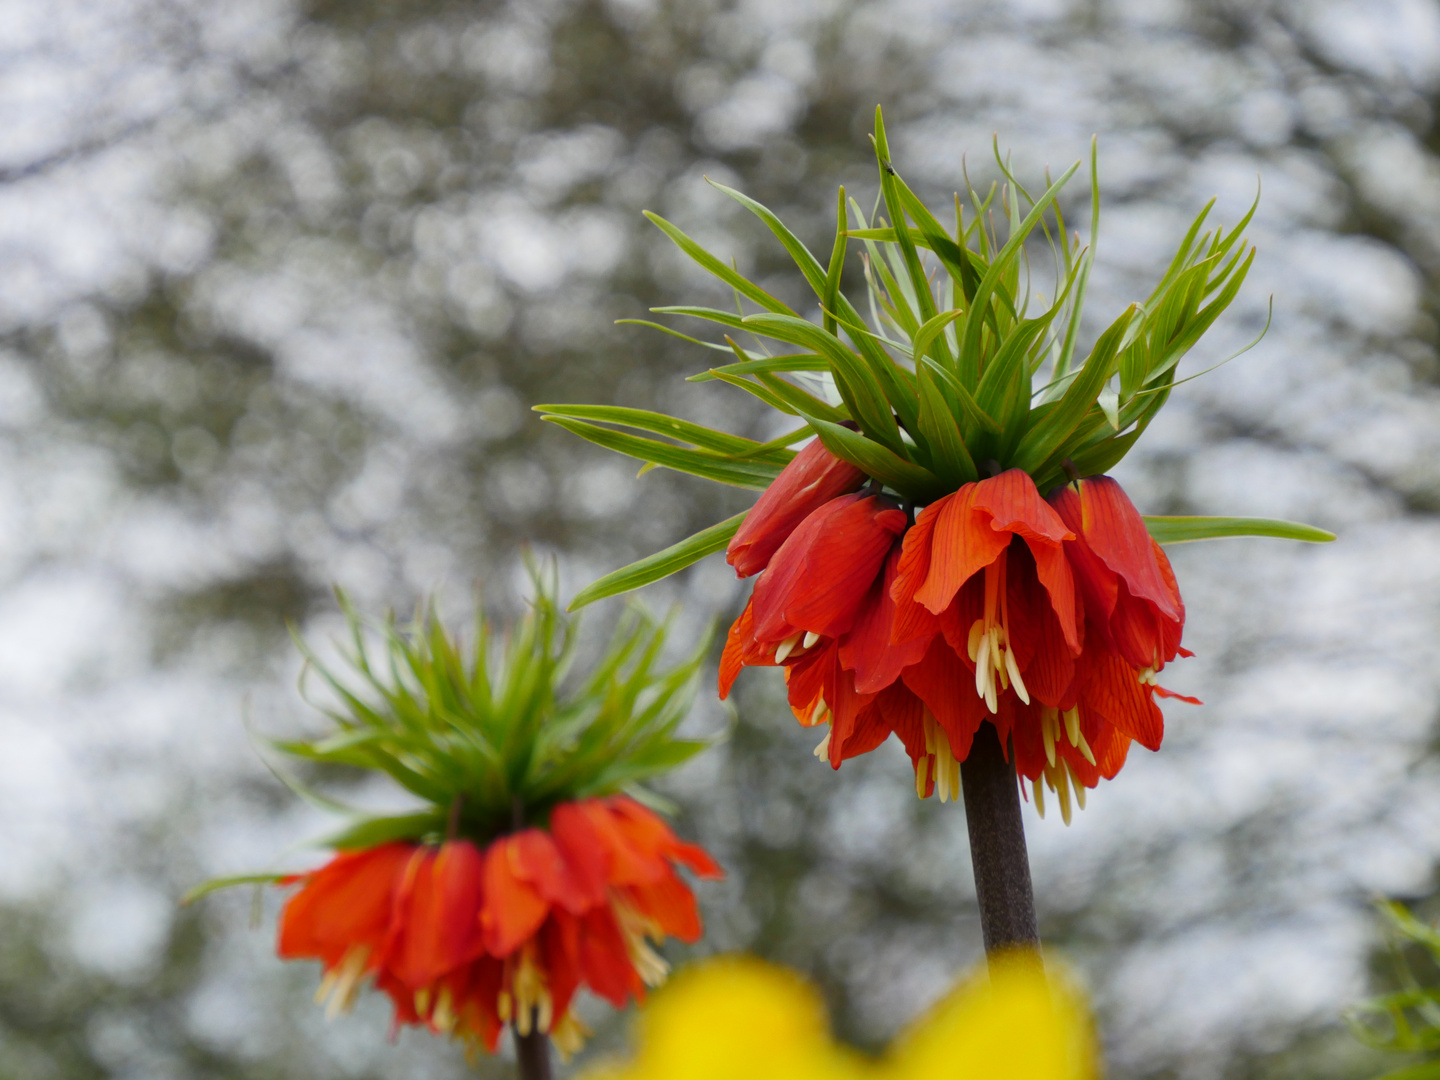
(205,888)
(751,474)
(374,831)
(672,332)
(837,264)
(736,281)
(808,264)
(949,457)
(1179,530)
(969,359)
(661,424)
(857,383)
(982,420)
(911,480)
(660,565)
(797,362)
(933,328)
(1047,436)
(918,281)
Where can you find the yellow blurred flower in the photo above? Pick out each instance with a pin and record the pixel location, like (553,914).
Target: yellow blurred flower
(737,1018)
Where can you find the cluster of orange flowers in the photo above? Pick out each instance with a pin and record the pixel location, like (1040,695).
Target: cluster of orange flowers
(1047,617)
(465,940)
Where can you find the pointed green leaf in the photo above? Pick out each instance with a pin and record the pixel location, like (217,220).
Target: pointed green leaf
(374,831)
(797,362)
(660,565)
(857,383)
(949,457)
(1048,436)
(748,473)
(914,481)
(661,424)
(205,888)
(736,281)
(1179,530)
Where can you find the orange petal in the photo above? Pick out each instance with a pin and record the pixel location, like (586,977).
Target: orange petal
(964,544)
(604,959)
(1112,689)
(581,845)
(513,908)
(671,905)
(346,902)
(437,927)
(813,477)
(539,861)
(1115,532)
(867,649)
(821,574)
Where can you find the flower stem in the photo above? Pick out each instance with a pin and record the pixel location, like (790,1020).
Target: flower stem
(533,1053)
(997,846)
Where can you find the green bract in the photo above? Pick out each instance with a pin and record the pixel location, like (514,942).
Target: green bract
(491,734)
(961,370)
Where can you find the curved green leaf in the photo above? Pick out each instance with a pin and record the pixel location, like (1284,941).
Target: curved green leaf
(660,565)
(205,888)
(1180,530)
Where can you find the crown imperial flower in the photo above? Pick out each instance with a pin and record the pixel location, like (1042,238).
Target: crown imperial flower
(465,940)
(1014,598)
(525,874)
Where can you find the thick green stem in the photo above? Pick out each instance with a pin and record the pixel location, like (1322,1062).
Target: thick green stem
(997,846)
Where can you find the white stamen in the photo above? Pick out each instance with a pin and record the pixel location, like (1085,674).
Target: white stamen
(1072,726)
(1015,680)
(820,710)
(983,677)
(823,750)
(1039,797)
(785,648)
(810,638)
(977,629)
(1047,733)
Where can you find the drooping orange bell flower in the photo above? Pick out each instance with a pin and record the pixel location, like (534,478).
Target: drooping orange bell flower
(813,477)
(822,609)
(465,940)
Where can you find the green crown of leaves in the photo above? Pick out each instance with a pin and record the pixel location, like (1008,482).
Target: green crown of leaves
(487,732)
(952,374)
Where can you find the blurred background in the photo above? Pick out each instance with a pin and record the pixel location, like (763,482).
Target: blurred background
(280,280)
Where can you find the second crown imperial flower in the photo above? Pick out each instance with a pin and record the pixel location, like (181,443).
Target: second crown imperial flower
(465,939)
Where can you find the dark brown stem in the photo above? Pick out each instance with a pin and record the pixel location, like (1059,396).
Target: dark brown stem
(997,846)
(533,1053)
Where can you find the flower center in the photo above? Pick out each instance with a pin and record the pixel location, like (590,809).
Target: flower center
(989,644)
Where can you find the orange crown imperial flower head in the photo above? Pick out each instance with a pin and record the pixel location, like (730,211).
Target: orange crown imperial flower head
(524,874)
(946,550)
(466,939)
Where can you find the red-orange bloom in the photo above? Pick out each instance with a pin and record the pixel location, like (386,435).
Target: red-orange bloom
(813,477)
(465,941)
(822,609)
(1046,618)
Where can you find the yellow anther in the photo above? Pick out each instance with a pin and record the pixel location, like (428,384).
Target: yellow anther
(822,751)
